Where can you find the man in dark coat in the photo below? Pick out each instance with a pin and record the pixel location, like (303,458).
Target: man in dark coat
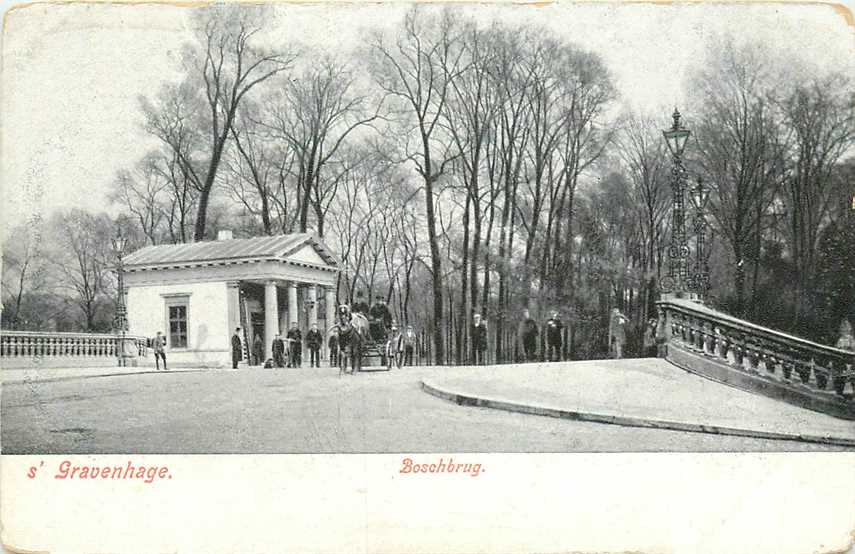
(333,345)
(295,343)
(479,340)
(314,341)
(528,334)
(278,351)
(380,311)
(237,348)
(257,350)
(554,337)
(360,305)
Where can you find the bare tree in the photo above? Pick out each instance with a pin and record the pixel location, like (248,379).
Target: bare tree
(739,147)
(82,257)
(141,192)
(315,113)
(416,68)
(222,66)
(25,271)
(820,115)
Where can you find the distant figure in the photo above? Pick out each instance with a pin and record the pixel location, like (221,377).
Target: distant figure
(650,348)
(333,346)
(360,306)
(314,341)
(846,340)
(479,340)
(617,333)
(395,347)
(380,311)
(237,349)
(528,336)
(278,351)
(409,340)
(554,337)
(295,343)
(257,350)
(160,351)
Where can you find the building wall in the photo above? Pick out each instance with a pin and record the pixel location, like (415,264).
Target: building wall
(207,320)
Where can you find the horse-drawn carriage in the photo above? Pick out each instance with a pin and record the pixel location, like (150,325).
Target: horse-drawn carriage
(360,340)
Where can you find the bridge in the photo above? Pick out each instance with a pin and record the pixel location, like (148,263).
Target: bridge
(721,383)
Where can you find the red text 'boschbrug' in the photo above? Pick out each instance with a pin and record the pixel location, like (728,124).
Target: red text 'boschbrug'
(442,466)
(146,474)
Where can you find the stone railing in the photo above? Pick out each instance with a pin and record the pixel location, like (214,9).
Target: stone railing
(19,345)
(758,351)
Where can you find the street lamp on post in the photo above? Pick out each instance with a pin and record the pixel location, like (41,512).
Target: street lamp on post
(701,279)
(678,250)
(120,322)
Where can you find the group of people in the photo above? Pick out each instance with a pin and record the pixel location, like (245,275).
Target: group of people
(287,352)
(402,342)
(528,334)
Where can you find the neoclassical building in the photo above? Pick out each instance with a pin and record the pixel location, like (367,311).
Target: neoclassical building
(198,293)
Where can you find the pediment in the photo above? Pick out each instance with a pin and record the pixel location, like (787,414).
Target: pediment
(307,254)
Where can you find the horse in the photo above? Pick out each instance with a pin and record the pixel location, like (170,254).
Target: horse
(351,336)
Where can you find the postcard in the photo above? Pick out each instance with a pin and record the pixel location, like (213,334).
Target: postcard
(392,277)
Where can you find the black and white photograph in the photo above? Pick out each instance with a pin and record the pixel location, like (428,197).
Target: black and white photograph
(409,229)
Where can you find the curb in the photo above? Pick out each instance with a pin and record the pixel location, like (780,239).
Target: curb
(625,421)
(94,375)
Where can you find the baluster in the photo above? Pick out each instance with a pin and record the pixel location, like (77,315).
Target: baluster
(838,383)
(822,370)
(739,352)
(750,357)
(803,368)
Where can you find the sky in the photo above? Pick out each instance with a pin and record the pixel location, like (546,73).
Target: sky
(72,74)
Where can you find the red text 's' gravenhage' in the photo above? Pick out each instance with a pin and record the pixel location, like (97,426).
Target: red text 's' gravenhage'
(147,474)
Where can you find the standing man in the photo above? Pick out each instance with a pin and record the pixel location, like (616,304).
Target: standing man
(479,340)
(313,341)
(360,306)
(295,342)
(409,345)
(278,351)
(617,333)
(554,332)
(237,349)
(528,333)
(333,344)
(160,351)
(257,350)
(380,312)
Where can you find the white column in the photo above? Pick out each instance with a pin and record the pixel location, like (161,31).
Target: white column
(293,313)
(271,317)
(330,316)
(330,307)
(233,311)
(313,302)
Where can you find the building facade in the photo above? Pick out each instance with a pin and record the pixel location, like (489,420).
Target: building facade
(197,294)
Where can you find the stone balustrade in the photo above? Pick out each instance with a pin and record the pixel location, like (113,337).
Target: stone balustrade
(757,351)
(16,345)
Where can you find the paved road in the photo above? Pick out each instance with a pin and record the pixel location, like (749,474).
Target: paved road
(302,411)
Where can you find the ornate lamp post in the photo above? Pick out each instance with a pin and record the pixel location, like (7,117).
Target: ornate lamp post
(678,251)
(701,279)
(120,321)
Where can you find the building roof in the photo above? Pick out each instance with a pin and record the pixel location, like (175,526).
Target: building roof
(256,248)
